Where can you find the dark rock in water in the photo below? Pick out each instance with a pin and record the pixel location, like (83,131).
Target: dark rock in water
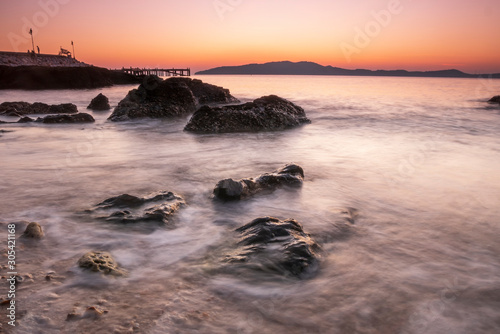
(101,262)
(57,119)
(495,99)
(100,102)
(166,205)
(25,108)
(33,230)
(157,98)
(278,246)
(16,107)
(38,108)
(289,175)
(64,108)
(25,119)
(264,114)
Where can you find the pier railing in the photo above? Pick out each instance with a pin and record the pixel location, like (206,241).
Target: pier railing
(161,72)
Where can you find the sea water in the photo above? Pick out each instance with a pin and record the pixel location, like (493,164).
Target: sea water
(417,160)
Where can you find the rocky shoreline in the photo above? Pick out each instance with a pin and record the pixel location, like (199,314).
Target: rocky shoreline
(45,77)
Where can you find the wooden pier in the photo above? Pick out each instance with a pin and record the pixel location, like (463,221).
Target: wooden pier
(161,72)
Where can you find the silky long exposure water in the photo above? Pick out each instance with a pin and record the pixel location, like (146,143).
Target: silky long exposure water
(416,160)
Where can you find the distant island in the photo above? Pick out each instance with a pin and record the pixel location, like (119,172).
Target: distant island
(310,68)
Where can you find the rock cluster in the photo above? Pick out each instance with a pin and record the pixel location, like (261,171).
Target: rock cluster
(264,114)
(157,98)
(229,189)
(25,108)
(100,102)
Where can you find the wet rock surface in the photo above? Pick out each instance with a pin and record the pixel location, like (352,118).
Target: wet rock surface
(25,108)
(277,246)
(157,98)
(33,231)
(264,114)
(289,175)
(76,118)
(100,102)
(495,99)
(101,262)
(157,208)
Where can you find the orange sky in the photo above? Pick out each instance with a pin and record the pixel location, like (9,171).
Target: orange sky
(373,34)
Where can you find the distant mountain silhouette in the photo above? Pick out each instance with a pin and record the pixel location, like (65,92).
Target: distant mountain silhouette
(310,68)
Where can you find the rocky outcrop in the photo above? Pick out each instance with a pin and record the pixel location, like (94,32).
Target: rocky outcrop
(33,231)
(45,77)
(101,262)
(58,119)
(229,189)
(278,246)
(100,102)
(25,108)
(157,98)
(495,99)
(264,114)
(139,209)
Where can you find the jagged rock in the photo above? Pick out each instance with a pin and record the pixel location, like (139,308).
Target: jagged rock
(157,98)
(264,114)
(207,93)
(33,230)
(229,189)
(166,205)
(101,262)
(278,246)
(495,99)
(76,118)
(25,108)
(100,102)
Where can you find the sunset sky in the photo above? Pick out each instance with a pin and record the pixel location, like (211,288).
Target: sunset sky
(372,34)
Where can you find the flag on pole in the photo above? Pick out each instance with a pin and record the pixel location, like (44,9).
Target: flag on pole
(31,32)
(71,42)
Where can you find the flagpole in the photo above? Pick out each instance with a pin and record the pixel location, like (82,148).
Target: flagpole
(32,42)
(73,49)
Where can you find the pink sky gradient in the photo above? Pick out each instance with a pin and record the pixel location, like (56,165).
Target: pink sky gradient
(410,34)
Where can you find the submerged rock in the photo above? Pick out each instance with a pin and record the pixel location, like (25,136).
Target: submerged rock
(157,98)
(76,118)
(25,108)
(264,114)
(278,246)
(495,99)
(167,204)
(34,231)
(100,102)
(25,119)
(289,175)
(101,262)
